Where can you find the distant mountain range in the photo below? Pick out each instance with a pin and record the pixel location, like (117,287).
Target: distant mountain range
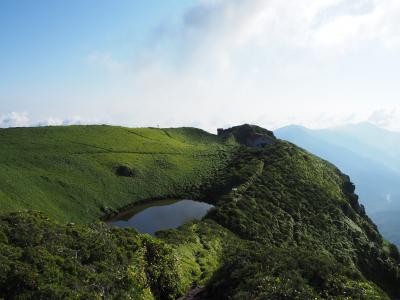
(369,155)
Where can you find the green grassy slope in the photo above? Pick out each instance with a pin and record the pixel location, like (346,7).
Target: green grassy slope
(70,172)
(305,234)
(286,225)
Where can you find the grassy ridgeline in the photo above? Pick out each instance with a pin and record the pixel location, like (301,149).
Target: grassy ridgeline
(70,173)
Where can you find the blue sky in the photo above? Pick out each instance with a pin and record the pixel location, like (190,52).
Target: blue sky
(205,63)
(45,44)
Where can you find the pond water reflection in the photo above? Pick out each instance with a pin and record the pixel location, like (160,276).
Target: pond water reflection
(164,214)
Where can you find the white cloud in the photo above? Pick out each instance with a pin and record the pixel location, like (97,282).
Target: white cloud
(14,119)
(227,25)
(378,23)
(319,63)
(387,118)
(75,120)
(18,119)
(107,61)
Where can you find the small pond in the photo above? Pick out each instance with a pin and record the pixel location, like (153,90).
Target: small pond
(163,214)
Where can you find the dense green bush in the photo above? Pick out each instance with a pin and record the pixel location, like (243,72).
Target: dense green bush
(40,259)
(311,235)
(273,273)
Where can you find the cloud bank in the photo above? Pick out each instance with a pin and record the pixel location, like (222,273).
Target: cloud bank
(22,119)
(14,119)
(315,62)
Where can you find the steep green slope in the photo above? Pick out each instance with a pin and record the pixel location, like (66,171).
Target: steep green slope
(70,173)
(309,236)
(286,225)
(365,152)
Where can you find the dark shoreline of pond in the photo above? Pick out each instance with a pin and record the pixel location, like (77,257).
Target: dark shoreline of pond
(110,214)
(153,216)
(140,204)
